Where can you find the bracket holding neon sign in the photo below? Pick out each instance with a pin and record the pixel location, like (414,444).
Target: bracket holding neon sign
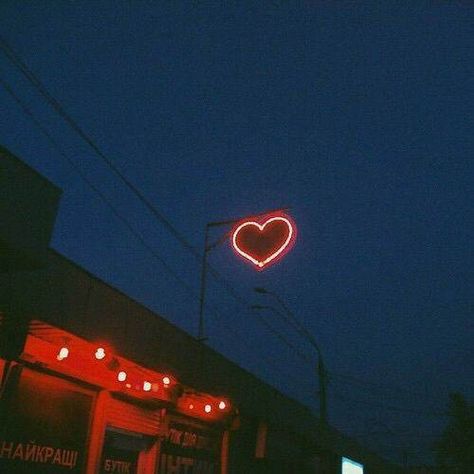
(242,227)
(264,240)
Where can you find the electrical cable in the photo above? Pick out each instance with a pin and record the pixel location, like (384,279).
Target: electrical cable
(285,341)
(371,385)
(191,292)
(57,106)
(288,316)
(269,361)
(78,170)
(73,124)
(390,407)
(33,79)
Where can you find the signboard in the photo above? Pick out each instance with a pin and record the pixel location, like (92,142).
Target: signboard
(351,467)
(43,425)
(120,461)
(265,240)
(189,449)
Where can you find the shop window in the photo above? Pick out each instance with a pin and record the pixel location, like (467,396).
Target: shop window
(122,451)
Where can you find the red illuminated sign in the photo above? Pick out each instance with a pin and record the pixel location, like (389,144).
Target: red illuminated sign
(264,241)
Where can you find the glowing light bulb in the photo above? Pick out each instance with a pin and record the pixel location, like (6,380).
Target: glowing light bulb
(166,380)
(122,376)
(100,353)
(146,386)
(63,353)
(222,405)
(208,408)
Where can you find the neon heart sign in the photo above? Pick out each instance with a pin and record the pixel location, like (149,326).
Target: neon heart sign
(264,241)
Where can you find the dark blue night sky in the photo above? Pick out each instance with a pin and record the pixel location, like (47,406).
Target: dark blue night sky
(358,117)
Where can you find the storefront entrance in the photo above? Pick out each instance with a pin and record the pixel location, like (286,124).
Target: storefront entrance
(121,451)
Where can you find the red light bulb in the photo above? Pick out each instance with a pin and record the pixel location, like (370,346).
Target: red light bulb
(100,353)
(63,353)
(122,376)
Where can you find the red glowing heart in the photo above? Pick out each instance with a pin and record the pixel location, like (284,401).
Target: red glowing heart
(264,243)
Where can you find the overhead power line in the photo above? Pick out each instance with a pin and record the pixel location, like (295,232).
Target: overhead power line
(96,190)
(191,292)
(15,59)
(351,379)
(57,106)
(390,407)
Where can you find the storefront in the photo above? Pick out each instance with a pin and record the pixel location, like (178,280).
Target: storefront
(107,401)
(44,423)
(68,405)
(190,446)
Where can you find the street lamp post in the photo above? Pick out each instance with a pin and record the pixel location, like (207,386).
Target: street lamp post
(302,331)
(207,248)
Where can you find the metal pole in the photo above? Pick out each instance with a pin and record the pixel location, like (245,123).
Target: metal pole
(298,326)
(202,294)
(322,390)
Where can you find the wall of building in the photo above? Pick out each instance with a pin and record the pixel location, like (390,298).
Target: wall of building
(28,205)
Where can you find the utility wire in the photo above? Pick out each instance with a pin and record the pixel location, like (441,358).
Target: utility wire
(390,407)
(16,60)
(285,341)
(364,383)
(20,64)
(191,292)
(168,268)
(288,317)
(270,362)
(33,79)
(57,106)
(102,196)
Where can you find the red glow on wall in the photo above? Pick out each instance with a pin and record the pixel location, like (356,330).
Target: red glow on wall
(265,240)
(78,359)
(204,406)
